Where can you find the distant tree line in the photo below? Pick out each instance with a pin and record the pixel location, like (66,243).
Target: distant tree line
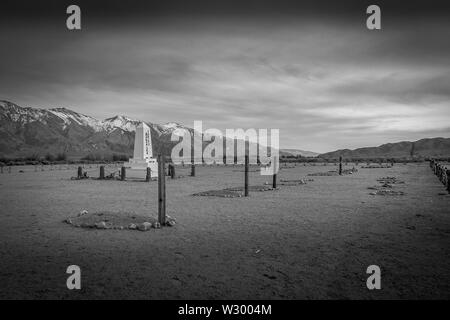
(299,159)
(99,157)
(61,158)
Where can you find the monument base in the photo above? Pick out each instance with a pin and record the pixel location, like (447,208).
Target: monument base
(143,164)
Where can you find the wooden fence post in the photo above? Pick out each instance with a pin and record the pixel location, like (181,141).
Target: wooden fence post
(448,180)
(274,178)
(246,176)
(80,173)
(102,172)
(148,175)
(161,191)
(340,165)
(443,174)
(193,170)
(172,170)
(123,174)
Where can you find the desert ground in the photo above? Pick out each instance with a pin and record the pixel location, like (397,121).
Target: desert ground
(311,241)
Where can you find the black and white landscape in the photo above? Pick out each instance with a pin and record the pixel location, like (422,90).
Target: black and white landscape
(364,148)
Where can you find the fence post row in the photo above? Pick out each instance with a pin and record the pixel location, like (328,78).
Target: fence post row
(441,172)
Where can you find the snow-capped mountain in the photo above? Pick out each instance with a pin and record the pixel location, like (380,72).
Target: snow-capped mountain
(120,122)
(26,131)
(34,132)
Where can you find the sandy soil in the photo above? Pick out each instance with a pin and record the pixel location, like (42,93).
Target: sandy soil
(306,241)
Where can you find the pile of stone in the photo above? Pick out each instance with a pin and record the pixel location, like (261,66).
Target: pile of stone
(376,166)
(324,174)
(387,192)
(349,171)
(83,177)
(390,180)
(262,188)
(105,221)
(250,170)
(382,187)
(220,193)
(334,172)
(294,182)
(234,192)
(386,187)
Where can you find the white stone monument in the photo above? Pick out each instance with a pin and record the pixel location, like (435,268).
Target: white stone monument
(143,151)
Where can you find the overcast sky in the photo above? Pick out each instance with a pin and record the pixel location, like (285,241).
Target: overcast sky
(312,70)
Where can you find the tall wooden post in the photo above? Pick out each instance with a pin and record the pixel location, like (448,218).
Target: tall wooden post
(80,173)
(148,175)
(193,170)
(102,172)
(172,171)
(274,178)
(246,176)
(123,174)
(340,165)
(161,191)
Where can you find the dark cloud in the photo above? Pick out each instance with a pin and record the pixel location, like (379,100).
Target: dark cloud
(311,69)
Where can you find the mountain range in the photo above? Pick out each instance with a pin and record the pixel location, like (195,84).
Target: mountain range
(297,152)
(26,131)
(430,147)
(36,132)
